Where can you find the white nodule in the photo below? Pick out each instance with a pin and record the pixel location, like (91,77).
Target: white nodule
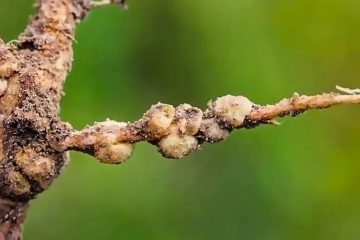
(175,146)
(233,109)
(160,118)
(114,153)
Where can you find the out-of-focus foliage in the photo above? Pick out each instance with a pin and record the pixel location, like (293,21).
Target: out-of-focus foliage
(296,181)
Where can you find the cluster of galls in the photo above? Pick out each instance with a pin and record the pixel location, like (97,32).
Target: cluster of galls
(176,131)
(35,167)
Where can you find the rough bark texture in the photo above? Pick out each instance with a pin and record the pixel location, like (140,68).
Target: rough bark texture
(34,142)
(33,76)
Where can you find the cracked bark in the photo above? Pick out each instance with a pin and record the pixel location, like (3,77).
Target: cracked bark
(34,142)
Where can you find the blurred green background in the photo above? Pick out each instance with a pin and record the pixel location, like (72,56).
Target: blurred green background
(296,181)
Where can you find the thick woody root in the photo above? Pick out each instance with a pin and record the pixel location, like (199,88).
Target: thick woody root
(177,131)
(32,73)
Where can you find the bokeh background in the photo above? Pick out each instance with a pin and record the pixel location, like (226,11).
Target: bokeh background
(296,181)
